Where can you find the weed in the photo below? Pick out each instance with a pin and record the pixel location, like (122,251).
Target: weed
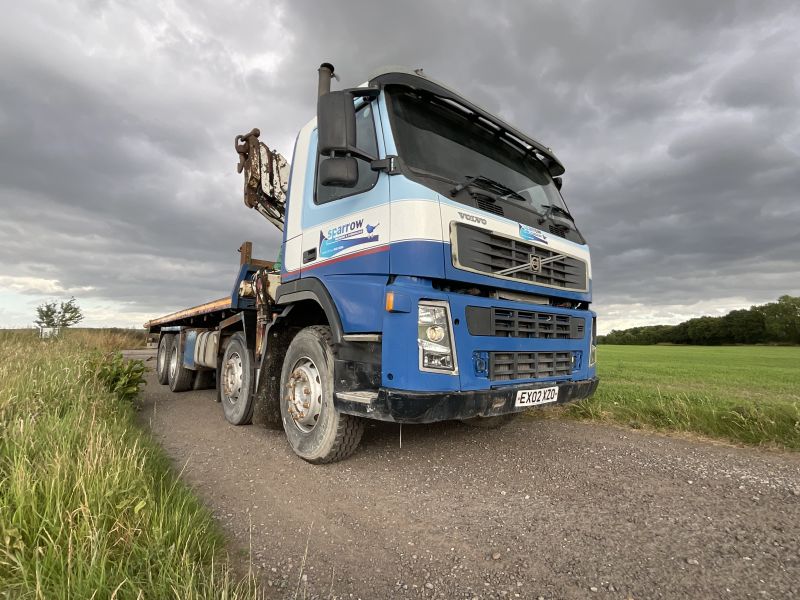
(123,378)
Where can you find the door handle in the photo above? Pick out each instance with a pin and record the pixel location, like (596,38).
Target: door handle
(309,255)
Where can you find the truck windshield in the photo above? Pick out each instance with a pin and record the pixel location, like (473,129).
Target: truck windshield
(464,158)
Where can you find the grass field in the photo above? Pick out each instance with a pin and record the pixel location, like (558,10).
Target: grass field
(89,506)
(745,394)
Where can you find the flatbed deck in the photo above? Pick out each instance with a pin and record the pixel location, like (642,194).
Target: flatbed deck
(188,313)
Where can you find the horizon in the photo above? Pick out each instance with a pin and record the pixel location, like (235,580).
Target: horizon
(118,180)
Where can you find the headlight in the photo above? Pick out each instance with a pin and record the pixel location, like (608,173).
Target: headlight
(435,333)
(434,338)
(593,347)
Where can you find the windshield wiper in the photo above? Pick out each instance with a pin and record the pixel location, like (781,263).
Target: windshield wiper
(554,208)
(487,184)
(432,175)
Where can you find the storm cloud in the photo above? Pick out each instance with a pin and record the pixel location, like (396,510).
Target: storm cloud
(678,124)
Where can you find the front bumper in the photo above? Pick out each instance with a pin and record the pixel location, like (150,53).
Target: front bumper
(401,406)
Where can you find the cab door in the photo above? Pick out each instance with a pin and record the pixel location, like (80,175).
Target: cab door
(345,239)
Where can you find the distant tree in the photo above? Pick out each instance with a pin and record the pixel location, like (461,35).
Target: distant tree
(773,322)
(782,319)
(746,326)
(58,315)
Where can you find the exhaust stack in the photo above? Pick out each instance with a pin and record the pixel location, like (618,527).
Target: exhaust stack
(325,74)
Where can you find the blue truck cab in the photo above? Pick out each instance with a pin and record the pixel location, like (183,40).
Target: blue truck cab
(430,270)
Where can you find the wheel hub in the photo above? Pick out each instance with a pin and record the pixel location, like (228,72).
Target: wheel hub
(232,377)
(304,395)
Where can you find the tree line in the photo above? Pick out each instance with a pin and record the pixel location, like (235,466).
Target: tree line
(772,323)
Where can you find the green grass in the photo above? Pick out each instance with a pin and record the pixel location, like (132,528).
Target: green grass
(89,506)
(744,394)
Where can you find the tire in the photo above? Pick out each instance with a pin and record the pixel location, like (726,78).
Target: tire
(204,379)
(316,431)
(162,358)
(236,381)
(490,422)
(180,378)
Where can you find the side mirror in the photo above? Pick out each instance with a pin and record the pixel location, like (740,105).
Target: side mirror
(338,172)
(558,182)
(336,123)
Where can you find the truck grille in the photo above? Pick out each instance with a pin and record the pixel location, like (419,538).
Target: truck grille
(506,366)
(480,250)
(513,323)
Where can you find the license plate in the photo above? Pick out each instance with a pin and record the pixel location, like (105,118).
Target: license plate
(538,396)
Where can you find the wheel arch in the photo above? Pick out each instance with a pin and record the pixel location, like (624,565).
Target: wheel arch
(304,294)
(303,303)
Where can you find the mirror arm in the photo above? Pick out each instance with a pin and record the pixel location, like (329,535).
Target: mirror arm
(388,164)
(352,152)
(364,92)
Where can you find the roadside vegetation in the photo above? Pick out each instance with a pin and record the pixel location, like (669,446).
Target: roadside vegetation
(106,339)
(89,506)
(745,394)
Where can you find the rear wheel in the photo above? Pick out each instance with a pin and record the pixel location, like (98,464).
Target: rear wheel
(316,431)
(180,378)
(236,381)
(162,358)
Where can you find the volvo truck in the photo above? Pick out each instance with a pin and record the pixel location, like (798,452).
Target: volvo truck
(430,269)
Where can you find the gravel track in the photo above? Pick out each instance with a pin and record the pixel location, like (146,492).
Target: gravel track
(540,508)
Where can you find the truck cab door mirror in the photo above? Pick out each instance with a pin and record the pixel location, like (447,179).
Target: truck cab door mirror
(558,182)
(336,123)
(338,172)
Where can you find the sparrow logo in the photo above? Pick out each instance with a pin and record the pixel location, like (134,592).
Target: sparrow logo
(346,236)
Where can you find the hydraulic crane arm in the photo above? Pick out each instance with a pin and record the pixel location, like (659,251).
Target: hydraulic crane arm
(266,177)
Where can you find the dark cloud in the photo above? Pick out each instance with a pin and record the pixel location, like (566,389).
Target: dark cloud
(677,121)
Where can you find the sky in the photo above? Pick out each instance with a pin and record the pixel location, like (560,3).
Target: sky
(678,123)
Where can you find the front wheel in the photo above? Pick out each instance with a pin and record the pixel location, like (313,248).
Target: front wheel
(316,431)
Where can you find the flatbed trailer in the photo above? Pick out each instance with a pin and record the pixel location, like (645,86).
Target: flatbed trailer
(430,269)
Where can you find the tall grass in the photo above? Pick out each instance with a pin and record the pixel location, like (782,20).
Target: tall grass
(89,507)
(107,339)
(745,394)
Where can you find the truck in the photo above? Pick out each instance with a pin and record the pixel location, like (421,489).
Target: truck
(429,270)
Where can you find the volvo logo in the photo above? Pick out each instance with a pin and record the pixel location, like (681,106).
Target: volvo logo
(535,264)
(472,218)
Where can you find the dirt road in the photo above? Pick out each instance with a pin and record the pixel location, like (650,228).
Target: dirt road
(543,508)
